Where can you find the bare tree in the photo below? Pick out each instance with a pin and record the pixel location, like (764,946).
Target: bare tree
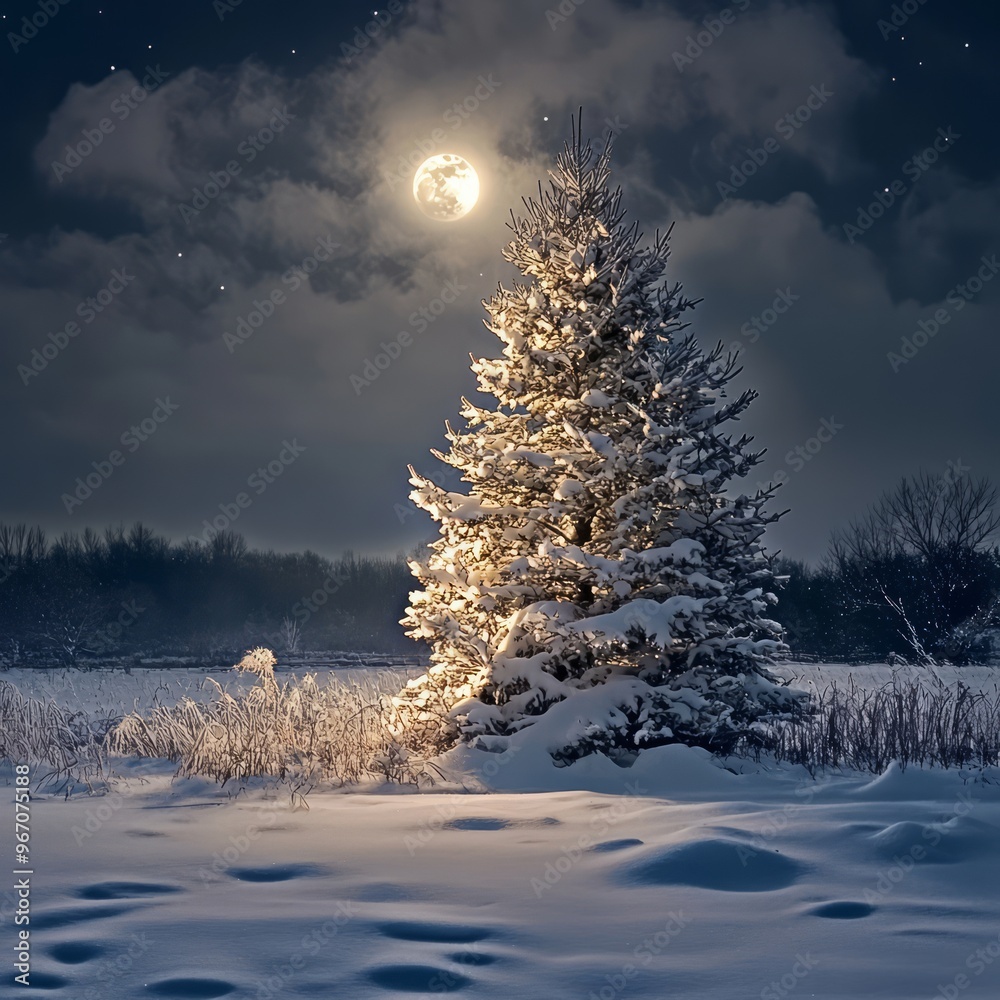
(920,556)
(20,544)
(291,634)
(228,546)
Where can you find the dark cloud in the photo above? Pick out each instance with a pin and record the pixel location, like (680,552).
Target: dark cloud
(325,162)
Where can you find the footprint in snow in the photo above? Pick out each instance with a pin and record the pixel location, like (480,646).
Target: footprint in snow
(843,910)
(46,981)
(477,823)
(277,873)
(191,989)
(412,930)
(471,957)
(608,846)
(495,823)
(383,892)
(47,919)
(125,890)
(75,952)
(417,979)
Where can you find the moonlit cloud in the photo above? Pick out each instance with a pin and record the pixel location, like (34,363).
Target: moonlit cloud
(245,172)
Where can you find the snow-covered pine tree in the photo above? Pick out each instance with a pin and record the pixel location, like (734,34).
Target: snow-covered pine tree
(601,572)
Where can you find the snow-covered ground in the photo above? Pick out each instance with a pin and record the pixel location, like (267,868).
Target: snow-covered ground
(872,675)
(675,878)
(118,691)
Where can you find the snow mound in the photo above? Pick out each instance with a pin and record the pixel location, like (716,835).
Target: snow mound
(723,865)
(527,766)
(960,839)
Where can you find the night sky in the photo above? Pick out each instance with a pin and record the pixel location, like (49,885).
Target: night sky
(253,157)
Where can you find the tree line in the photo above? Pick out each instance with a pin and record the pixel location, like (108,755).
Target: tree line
(133,593)
(917,578)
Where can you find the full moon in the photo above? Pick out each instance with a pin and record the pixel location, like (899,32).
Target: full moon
(446,187)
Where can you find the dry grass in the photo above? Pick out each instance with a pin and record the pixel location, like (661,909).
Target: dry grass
(305,734)
(69,743)
(911,723)
(301,732)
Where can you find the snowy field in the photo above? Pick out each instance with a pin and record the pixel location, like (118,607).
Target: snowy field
(143,687)
(873,675)
(115,691)
(675,878)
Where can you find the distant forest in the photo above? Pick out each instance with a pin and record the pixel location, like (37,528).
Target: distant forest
(916,580)
(132,593)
